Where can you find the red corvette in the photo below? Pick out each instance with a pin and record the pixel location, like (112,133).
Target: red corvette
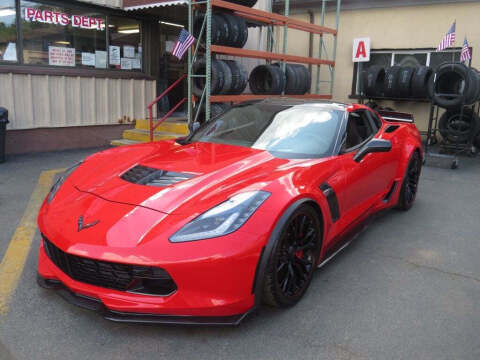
(241,212)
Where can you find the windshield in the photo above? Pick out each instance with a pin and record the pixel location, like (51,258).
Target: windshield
(307,130)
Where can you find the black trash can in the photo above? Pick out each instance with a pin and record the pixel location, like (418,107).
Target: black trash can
(3,132)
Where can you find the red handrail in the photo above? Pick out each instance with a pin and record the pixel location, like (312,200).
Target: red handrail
(150,107)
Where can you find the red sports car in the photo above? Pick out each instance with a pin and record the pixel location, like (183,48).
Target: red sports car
(204,229)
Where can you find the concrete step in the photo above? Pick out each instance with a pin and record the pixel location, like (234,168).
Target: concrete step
(171,125)
(121,142)
(144,135)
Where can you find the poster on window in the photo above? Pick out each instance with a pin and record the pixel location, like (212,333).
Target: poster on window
(100,59)
(61,56)
(114,52)
(137,62)
(126,64)
(128,51)
(10,53)
(88,59)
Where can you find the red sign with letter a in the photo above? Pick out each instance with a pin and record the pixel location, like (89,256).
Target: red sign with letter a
(361,50)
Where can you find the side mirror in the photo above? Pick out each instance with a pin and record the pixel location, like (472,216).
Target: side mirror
(374,145)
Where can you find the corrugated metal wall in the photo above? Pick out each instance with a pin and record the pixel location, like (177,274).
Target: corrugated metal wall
(36,101)
(110,3)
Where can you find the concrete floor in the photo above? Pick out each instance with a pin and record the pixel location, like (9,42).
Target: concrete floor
(408,288)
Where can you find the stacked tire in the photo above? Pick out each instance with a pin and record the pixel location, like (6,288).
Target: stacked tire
(216,109)
(227,29)
(454,86)
(397,82)
(271,80)
(228,77)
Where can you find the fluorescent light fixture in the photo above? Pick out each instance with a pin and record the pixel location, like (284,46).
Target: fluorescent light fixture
(129,31)
(171,24)
(62,42)
(7,12)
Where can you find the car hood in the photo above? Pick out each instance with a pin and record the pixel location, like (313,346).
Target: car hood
(215,172)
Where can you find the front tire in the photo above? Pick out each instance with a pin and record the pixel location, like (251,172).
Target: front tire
(408,192)
(294,259)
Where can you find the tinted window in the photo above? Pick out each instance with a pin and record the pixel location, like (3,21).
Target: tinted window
(358,129)
(375,119)
(301,131)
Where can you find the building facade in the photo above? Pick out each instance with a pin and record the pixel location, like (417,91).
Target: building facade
(404,33)
(70,72)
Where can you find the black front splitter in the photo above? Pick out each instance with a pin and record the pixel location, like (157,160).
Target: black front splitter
(128,317)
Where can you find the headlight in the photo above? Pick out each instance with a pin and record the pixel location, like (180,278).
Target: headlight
(223,219)
(58,184)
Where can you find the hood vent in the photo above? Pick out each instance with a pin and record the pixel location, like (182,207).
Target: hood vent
(144,175)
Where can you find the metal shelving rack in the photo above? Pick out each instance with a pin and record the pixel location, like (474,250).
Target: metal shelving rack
(260,18)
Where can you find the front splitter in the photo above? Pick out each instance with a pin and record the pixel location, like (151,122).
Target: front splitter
(97,305)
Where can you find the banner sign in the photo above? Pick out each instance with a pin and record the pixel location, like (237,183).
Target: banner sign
(58,18)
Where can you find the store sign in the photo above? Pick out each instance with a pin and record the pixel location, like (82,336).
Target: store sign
(361,50)
(58,18)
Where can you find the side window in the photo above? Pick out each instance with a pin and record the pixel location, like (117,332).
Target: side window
(358,130)
(376,121)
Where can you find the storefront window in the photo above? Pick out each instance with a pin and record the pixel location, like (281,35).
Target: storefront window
(125,50)
(62,37)
(8,31)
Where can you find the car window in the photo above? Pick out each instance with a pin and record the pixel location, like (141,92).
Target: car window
(358,130)
(376,121)
(300,131)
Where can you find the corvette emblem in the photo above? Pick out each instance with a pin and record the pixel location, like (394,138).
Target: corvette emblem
(82,226)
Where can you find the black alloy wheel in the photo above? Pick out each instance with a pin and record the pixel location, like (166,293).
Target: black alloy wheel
(408,193)
(294,259)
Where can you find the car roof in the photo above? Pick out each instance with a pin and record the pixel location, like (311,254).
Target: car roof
(293,102)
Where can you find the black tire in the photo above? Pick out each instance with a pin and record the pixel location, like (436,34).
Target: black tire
(408,192)
(456,129)
(237,30)
(239,77)
(227,78)
(391,79)
(217,28)
(294,79)
(374,81)
(451,81)
(420,81)
(217,77)
(476,141)
(404,82)
(226,27)
(267,79)
(474,87)
(294,259)
(216,109)
(306,76)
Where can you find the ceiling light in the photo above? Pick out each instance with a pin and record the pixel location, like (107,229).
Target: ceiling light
(62,42)
(171,24)
(129,31)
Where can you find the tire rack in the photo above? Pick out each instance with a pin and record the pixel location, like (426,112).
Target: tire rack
(453,149)
(261,18)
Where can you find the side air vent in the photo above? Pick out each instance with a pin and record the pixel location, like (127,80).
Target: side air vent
(144,175)
(331,200)
(391,128)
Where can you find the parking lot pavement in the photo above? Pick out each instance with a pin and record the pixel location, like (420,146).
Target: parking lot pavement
(408,288)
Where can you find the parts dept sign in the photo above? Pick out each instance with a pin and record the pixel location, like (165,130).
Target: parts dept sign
(59,18)
(361,49)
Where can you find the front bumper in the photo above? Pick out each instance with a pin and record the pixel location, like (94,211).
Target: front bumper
(97,305)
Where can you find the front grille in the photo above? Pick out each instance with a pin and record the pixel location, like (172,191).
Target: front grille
(144,175)
(123,277)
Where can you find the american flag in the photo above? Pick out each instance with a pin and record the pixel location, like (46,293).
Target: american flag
(185,40)
(466,54)
(449,39)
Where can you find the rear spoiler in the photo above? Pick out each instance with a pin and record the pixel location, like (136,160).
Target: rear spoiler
(396,116)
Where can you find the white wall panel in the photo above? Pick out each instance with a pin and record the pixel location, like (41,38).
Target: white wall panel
(36,101)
